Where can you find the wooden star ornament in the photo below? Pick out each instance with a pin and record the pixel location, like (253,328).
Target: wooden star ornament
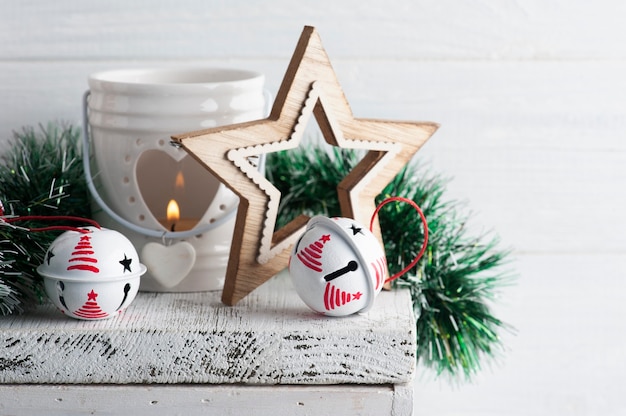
(310,87)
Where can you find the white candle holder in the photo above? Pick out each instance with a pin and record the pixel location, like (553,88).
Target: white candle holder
(130,116)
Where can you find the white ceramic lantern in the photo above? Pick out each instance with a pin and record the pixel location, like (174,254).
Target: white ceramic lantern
(338,266)
(178,215)
(91,273)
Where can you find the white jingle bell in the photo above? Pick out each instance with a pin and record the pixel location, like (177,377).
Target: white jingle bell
(337,266)
(91,273)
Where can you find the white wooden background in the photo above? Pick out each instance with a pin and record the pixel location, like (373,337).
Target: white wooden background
(531,98)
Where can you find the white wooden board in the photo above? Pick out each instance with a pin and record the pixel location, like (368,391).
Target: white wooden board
(190,400)
(530,96)
(530,160)
(396,29)
(270,338)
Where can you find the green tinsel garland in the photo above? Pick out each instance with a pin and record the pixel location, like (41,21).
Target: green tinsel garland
(451,286)
(40,174)
(453,282)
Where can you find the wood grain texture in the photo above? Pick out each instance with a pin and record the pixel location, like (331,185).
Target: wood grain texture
(310,87)
(269,338)
(187,400)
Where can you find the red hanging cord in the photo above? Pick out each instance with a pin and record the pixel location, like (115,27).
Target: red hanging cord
(424,223)
(54,218)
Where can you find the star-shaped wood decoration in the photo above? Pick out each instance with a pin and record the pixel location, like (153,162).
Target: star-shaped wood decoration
(310,86)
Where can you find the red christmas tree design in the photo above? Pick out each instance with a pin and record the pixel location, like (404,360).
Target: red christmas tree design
(91,309)
(380,268)
(335,297)
(83,256)
(310,256)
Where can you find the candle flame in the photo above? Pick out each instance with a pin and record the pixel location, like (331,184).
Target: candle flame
(173,212)
(180,180)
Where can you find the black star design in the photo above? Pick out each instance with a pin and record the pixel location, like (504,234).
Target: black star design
(356,230)
(126,263)
(49,257)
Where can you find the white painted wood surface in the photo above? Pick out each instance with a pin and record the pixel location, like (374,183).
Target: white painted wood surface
(530,96)
(270,338)
(191,400)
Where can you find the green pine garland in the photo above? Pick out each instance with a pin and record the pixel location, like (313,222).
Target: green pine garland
(453,282)
(41,174)
(451,286)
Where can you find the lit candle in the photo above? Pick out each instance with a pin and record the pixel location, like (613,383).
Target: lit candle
(174,222)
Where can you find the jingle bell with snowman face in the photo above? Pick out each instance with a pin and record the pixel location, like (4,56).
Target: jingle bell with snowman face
(338,266)
(92,273)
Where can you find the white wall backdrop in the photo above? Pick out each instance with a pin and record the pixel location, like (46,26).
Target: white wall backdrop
(531,97)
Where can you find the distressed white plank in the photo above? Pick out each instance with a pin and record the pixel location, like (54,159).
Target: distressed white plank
(270,337)
(397,29)
(190,400)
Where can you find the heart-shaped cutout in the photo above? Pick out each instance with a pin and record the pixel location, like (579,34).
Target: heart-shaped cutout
(162,177)
(168,265)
